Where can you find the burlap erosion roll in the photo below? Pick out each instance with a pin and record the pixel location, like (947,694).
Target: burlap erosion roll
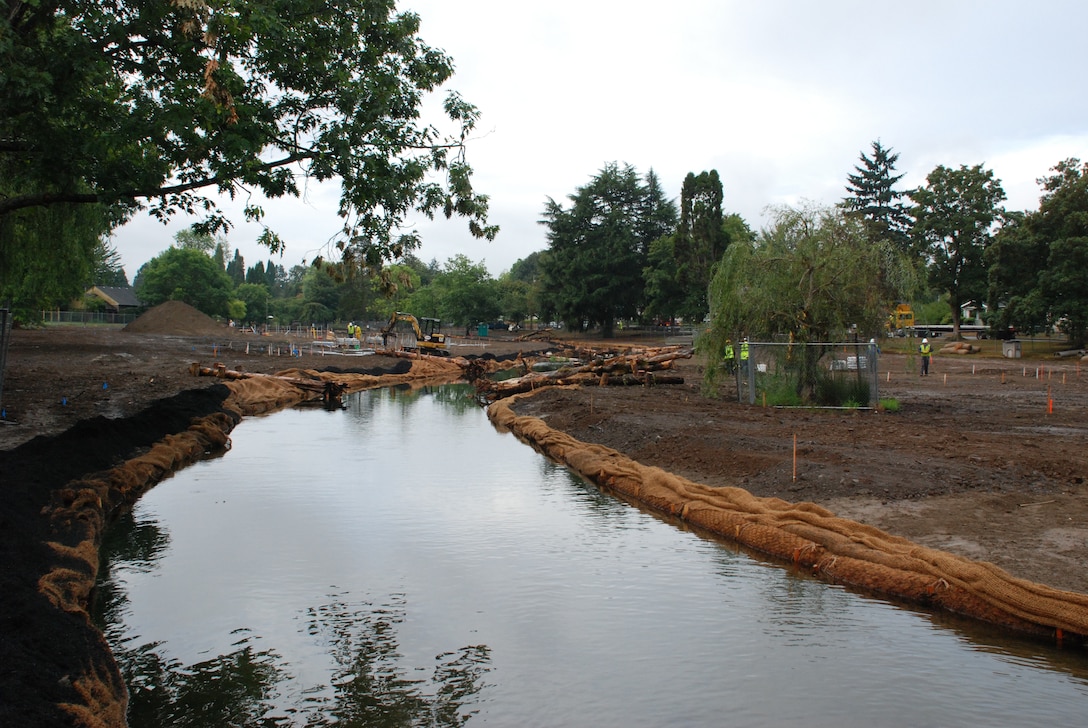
(813,538)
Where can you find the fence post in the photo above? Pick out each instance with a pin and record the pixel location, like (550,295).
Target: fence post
(5,337)
(874,379)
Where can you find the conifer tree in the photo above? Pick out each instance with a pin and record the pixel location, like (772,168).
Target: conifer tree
(875,200)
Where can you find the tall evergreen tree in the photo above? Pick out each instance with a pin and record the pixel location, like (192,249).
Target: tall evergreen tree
(106,261)
(874,199)
(700,240)
(256,274)
(681,265)
(236,268)
(219,255)
(593,273)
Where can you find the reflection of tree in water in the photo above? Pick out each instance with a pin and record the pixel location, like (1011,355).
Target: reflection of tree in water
(601,505)
(370,689)
(228,690)
(368,686)
(135,546)
(461,398)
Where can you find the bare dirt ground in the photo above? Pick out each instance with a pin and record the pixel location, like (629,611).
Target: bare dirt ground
(972,463)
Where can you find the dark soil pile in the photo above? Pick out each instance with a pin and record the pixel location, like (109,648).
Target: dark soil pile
(175,317)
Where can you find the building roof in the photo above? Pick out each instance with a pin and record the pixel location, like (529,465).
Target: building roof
(118,296)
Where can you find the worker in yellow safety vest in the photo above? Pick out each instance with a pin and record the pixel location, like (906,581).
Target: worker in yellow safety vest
(730,357)
(744,355)
(925,351)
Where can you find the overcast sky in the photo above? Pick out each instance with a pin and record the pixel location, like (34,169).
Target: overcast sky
(779,96)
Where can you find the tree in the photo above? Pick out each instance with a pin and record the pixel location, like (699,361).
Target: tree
(874,199)
(129,103)
(699,241)
(1062,223)
(106,263)
(53,262)
(184,274)
(1014,263)
(516,299)
(954,217)
(219,255)
(275,276)
(810,276)
(522,288)
(681,265)
(319,296)
(236,268)
(195,240)
(256,298)
(597,248)
(1064,284)
(466,292)
(664,294)
(256,274)
(527,269)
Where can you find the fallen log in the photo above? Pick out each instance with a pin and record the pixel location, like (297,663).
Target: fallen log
(623,370)
(328,390)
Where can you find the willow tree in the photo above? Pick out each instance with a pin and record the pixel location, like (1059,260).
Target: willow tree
(810,277)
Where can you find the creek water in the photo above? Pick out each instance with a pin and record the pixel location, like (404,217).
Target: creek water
(401,562)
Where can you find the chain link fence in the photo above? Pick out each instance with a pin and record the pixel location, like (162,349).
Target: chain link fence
(808,375)
(87,318)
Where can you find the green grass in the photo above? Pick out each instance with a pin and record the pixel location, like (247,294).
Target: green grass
(889,404)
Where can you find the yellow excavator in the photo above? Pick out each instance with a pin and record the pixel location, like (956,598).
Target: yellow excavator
(429,337)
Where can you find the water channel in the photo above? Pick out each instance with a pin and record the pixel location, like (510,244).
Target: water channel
(400,562)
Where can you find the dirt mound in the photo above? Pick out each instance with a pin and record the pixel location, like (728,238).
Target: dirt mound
(175,317)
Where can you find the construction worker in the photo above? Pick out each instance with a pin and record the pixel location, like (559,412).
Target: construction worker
(744,355)
(730,357)
(925,351)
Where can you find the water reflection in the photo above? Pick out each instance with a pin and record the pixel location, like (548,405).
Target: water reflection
(228,690)
(369,685)
(402,563)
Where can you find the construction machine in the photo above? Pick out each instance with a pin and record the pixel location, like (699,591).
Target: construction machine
(429,337)
(901,320)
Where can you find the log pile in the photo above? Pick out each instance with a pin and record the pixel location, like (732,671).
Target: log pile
(329,391)
(536,335)
(960,347)
(645,369)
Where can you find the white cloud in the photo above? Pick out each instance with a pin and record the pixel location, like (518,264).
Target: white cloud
(779,96)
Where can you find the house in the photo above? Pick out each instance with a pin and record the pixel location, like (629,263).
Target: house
(117,298)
